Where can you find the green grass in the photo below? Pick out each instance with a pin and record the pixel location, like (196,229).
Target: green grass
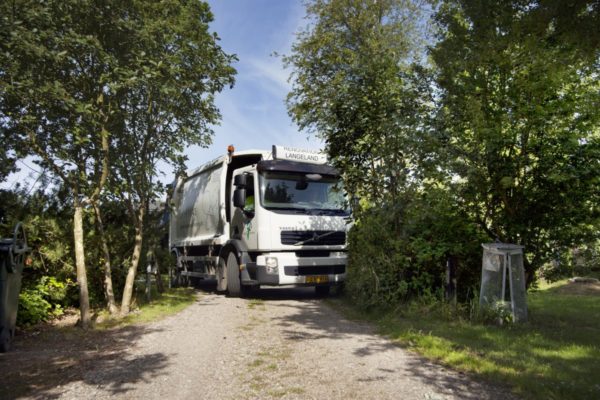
(556,355)
(170,302)
(254,303)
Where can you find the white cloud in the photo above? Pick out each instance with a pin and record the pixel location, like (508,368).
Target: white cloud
(271,73)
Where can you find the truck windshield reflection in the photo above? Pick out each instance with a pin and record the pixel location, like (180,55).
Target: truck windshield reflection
(302,193)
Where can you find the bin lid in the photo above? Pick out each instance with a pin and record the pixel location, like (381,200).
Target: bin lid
(6,244)
(502,247)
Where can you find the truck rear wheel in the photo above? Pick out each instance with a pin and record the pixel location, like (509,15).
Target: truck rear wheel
(221,275)
(234,285)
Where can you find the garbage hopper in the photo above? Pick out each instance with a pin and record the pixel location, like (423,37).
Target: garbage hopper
(13,252)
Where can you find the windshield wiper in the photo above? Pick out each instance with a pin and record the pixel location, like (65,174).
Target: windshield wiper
(296,210)
(325,211)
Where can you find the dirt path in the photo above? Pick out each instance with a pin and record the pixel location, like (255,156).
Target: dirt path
(284,344)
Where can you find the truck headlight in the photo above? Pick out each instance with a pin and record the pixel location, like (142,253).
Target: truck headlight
(271,265)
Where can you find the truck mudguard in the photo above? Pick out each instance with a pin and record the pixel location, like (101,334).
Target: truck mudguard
(241,251)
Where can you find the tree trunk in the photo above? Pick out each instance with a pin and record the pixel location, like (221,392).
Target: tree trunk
(108,285)
(84,300)
(135,260)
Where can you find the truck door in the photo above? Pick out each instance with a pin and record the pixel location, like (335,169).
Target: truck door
(244,221)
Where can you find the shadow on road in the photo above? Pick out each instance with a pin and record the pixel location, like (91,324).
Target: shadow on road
(41,363)
(308,318)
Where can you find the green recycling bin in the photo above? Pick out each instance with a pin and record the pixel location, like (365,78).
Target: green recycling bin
(13,252)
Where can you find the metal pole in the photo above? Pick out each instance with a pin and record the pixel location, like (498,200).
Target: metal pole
(504,266)
(148,272)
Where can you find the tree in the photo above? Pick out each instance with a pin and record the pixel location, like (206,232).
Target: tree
(56,79)
(95,87)
(352,87)
(357,84)
(519,121)
(174,68)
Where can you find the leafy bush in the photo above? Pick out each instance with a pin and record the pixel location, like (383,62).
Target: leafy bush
(42,302)
(583,260)
(398,254)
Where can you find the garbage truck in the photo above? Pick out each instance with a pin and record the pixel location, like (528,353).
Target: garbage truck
(260,218)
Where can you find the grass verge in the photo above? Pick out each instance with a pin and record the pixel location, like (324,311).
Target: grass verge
(170,302)
(556,355)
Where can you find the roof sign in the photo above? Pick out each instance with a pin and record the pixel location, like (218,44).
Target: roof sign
(299,155)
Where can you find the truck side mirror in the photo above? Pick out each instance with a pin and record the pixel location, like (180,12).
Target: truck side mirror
(240,180)
(239,197)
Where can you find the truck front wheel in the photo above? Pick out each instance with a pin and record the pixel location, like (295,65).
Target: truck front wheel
(234,286)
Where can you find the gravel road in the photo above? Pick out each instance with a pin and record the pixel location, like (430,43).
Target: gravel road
(282,344)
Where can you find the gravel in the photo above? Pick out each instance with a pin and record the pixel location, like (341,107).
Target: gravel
(281,344)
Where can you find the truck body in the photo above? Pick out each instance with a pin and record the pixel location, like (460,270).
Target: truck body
(260,218)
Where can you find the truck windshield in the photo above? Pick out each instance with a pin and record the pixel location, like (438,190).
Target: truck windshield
(302,192)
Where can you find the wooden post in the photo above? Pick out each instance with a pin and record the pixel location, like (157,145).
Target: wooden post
(451,294)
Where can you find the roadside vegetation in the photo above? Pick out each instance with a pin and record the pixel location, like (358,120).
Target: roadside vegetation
(169,302)
(555,355)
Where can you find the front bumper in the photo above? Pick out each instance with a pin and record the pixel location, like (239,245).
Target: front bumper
(294,270)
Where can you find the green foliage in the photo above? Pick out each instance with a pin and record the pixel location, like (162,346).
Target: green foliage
(586,259)
(45,300)
(53,80)
(401,253)
(582,261)
(171,69)
(352,86)
(33,308)
(518,122)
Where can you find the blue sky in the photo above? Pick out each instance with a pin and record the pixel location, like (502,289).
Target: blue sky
(254,115)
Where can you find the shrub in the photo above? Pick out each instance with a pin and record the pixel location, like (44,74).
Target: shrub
(398,254)
(42,302)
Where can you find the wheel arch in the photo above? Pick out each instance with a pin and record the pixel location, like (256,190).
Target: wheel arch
(240,250)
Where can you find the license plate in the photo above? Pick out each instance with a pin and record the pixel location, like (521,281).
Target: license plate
(317,279)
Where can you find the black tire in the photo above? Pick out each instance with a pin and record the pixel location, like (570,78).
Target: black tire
(234,285)
(185,280)
(176,281)
(322,290)
(248,291)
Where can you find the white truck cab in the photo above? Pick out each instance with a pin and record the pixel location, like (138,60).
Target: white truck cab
(258,218)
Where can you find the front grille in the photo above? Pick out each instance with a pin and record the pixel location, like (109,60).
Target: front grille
(314,238)
(312,253)
(315,270)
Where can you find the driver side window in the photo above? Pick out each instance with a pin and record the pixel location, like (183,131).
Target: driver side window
(250,201)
